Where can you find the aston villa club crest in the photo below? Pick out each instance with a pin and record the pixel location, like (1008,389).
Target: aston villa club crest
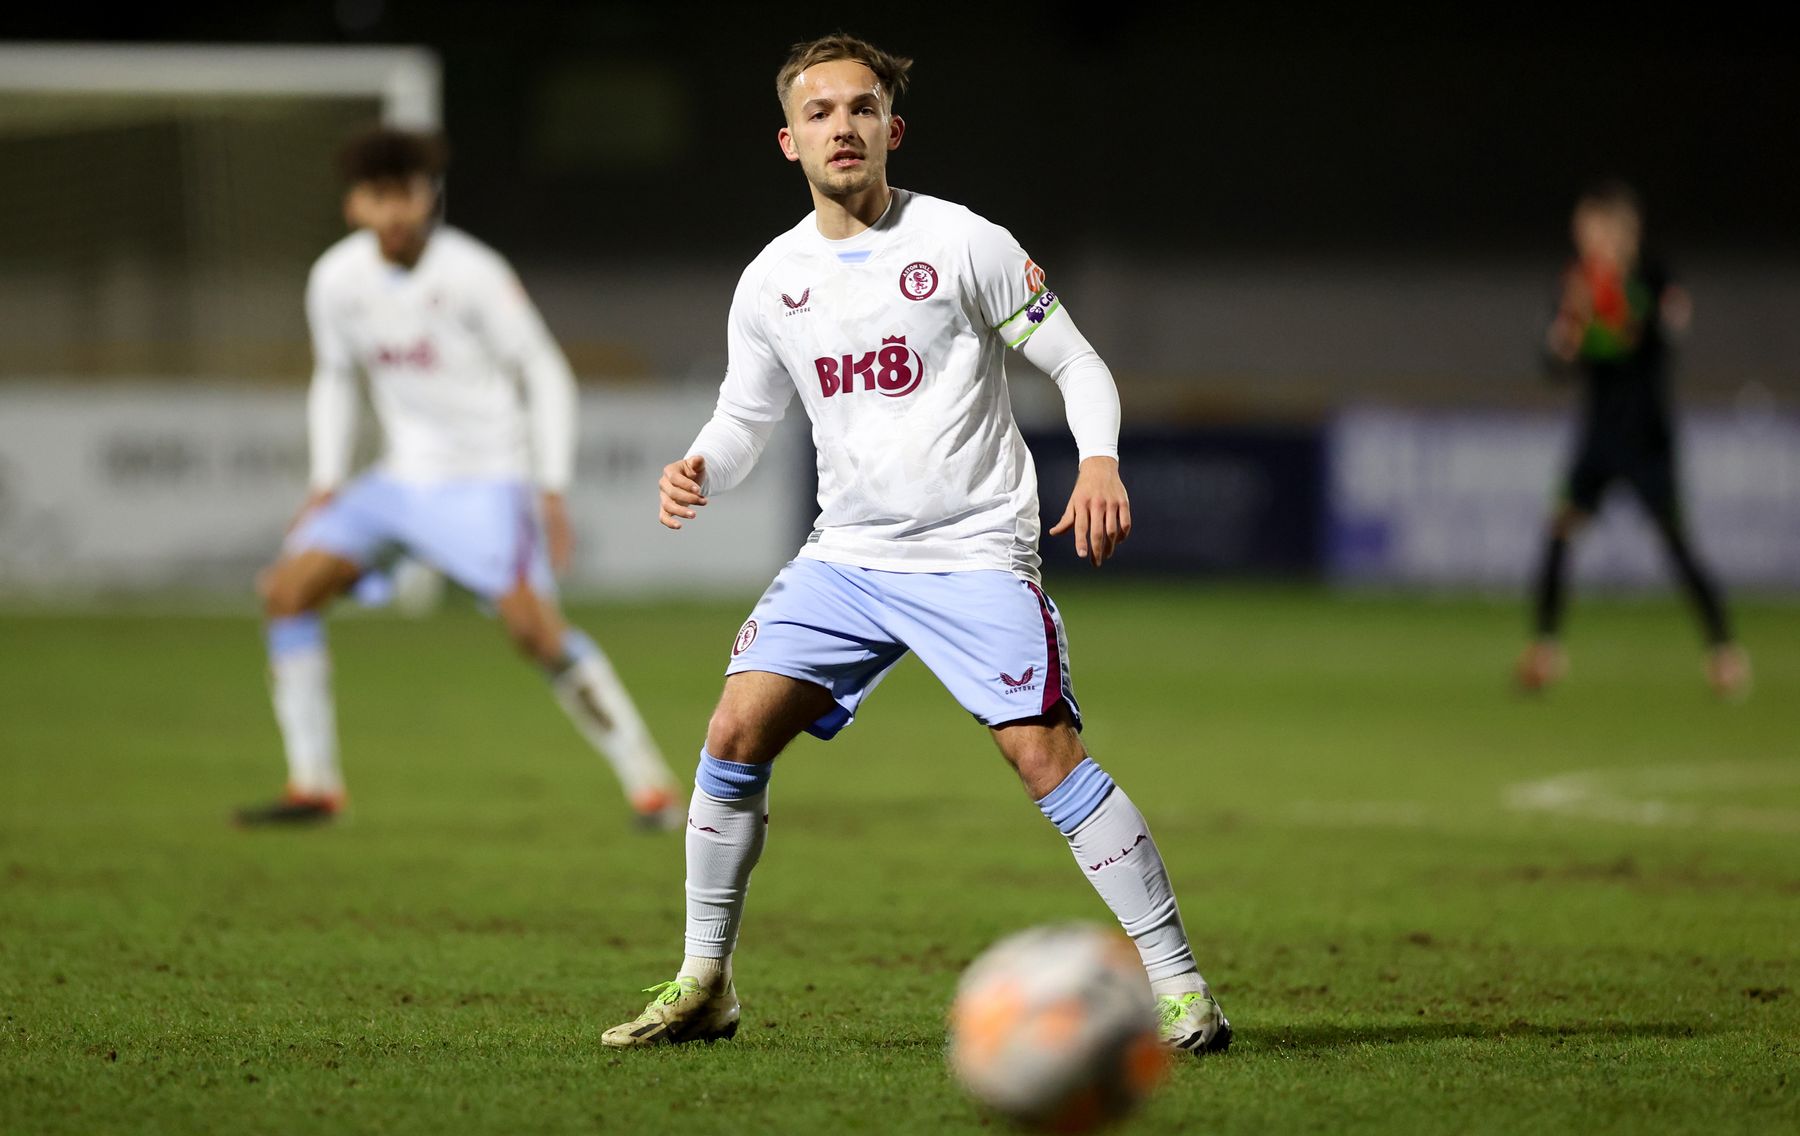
(918,281)
(747,633)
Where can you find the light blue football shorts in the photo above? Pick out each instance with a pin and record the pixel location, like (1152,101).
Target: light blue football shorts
(994,640)
(482,534)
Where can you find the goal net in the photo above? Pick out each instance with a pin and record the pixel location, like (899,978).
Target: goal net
(159,206)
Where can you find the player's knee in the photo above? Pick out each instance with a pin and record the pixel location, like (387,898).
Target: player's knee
(528,636)
(536,638)
(732,735)
(1042,752)
(727,734)
(545,648)
(1037,762)
(283,593)
(1042,768)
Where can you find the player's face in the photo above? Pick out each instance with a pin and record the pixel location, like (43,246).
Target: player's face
(839,128)
(399,213)
(1606,234)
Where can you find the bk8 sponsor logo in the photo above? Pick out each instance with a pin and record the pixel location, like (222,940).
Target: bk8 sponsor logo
(422,355)
(894,369)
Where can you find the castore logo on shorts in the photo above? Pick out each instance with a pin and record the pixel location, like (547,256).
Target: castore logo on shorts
(1023,682)
(894,369)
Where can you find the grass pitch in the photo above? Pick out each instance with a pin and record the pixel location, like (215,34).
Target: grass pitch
(1428,905)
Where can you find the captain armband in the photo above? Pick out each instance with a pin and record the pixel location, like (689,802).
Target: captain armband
(1018,327)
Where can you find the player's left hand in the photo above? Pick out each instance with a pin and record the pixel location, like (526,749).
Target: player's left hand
(559,535)
(1099,511)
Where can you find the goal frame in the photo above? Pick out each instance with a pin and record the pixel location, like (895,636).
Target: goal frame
(407,81)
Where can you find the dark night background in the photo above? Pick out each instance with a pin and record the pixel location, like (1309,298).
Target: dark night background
(644,132)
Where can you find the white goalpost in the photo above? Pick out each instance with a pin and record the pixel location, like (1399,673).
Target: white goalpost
(160,204)
(159,208)
(405,81)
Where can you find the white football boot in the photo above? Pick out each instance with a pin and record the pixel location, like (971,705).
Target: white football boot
(1192,1022)
(680,1010)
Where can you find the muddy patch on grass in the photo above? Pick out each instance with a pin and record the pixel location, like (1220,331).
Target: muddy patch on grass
(1628,872)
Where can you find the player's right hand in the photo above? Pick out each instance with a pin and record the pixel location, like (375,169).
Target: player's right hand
(316,499)
(1563,340)
(1566,331)
(680,490)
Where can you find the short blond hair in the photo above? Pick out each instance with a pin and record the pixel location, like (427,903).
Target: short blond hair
(890,70)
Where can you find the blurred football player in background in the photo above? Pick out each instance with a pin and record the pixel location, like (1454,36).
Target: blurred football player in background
(1613,325)
(477,406)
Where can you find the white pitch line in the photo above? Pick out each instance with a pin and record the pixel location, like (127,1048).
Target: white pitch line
(1640,796)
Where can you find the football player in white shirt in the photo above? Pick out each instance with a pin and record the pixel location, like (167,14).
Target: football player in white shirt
(471,481)
(891,313)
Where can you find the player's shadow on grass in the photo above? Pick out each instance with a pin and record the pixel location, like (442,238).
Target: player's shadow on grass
(1314,1038)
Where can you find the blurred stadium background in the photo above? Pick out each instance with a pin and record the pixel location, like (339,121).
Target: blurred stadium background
(1317,256)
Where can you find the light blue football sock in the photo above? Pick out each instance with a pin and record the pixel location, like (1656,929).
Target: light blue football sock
(731,780)
(1080,793)
(295,633)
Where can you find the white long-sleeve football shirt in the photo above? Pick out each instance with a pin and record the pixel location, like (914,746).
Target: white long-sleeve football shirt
(445,346)
(895,340)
